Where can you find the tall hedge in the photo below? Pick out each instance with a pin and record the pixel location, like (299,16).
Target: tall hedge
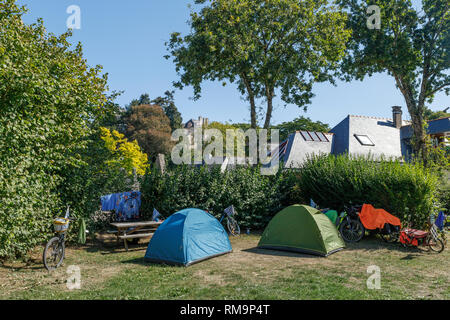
(256,197)
(408,191)
(50,100)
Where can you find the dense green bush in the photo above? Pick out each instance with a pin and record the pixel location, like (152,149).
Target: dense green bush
(82,186)
(256,197)
(50,100)
(406,190)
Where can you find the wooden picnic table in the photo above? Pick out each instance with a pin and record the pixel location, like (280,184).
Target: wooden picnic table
(135,230)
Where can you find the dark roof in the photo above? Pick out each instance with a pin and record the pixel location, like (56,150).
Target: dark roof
(434,127)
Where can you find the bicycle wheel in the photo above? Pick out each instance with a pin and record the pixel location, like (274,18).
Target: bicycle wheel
(352,230)
(53,254)
(436,245)
(233,226)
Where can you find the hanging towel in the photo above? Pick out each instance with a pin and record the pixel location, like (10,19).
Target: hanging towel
(82,232)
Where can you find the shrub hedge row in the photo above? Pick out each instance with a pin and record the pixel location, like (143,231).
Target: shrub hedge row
(256,197)
(408,191)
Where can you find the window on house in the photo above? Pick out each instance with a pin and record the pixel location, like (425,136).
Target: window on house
(322,137)
(364,140)
(306,135)
(314,136)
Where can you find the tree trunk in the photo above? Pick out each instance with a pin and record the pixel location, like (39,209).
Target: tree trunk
(269,96)
(415,109)
(253,112)
(419,134)
(251,99)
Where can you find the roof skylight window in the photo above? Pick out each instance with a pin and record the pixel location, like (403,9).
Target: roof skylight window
(364,140)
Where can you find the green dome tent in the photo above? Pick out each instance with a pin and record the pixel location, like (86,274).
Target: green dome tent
(303,229)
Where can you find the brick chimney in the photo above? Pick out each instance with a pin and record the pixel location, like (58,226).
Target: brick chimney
(397,116)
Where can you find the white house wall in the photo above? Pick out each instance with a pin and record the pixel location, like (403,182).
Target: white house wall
(383,134)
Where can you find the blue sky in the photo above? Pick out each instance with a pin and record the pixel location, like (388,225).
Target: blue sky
(127,38)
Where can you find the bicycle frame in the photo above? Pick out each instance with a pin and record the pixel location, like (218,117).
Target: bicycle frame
(223,216)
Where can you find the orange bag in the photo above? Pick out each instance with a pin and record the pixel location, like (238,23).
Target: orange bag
(372,218)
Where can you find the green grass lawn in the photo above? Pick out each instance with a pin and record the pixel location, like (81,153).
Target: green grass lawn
(108,272)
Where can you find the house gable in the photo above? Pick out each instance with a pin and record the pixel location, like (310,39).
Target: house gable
(341,136)
(382,132)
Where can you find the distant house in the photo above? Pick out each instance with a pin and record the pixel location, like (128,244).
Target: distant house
(360,135)
(201,122)
(195,124)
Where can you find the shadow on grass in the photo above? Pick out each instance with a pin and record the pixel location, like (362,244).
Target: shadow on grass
(33,264)
(372,243)
(141,261)
(114,248)
(369,244)
(279,253)
(411,256)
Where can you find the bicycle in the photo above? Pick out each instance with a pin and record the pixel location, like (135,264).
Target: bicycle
(349,225)
(415,238)
(390,234)
(54,251)
(232,225)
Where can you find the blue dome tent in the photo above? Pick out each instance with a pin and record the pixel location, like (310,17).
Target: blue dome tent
(187,237)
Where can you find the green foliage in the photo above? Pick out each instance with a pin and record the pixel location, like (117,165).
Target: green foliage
(436,155)
(411,46)
(433,115)
(126,155)
(298,124)
(82,186)
(143,99)
(149,125)
(256,198)
(263,46)
(168,104)
(444,197)
(50,100)
(406,190)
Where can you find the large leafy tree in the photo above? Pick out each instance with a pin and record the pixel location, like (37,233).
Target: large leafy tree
(411,46)
(50,101)
(167,102)
(143,99)
(149,125)
(125,154)
(300,123)
(264,46)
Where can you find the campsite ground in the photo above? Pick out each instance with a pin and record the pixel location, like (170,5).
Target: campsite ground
(108,272)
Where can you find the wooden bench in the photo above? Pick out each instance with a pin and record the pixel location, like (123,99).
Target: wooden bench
(134,230)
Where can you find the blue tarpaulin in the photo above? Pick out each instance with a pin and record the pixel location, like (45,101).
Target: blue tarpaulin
(186,237)
(126,204)
(440,221)
(109,202)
